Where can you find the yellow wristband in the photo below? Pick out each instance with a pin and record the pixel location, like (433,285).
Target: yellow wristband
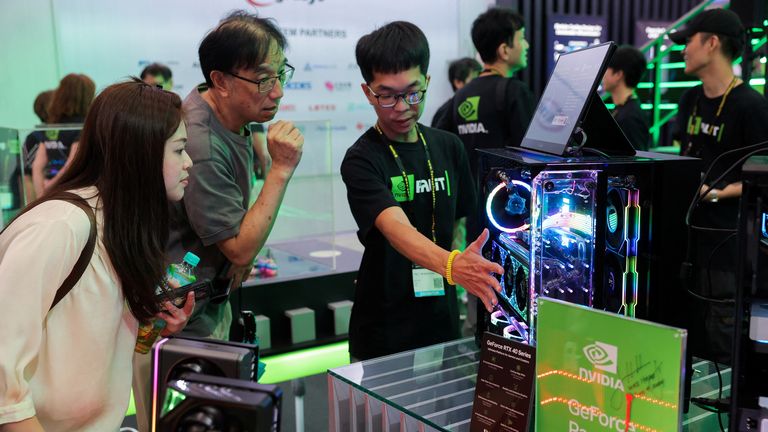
(449,267)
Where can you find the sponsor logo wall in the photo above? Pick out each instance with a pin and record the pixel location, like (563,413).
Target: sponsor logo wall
(111,41)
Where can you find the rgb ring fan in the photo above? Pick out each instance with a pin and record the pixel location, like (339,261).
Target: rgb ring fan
(497,204)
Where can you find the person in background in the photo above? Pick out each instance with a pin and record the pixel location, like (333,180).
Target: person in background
(66,365)
(69,105)
(460,73)
(493,110)
(624,71)
(21,179)
(721,114)
(159,75)
(407,187)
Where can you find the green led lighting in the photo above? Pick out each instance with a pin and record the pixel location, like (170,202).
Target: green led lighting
(311,361)
(664,106)
(757,81)
(674,84)
(173,398)
(673,65)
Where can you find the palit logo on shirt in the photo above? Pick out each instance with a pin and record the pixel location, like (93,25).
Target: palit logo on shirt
(604,357)
(420,186)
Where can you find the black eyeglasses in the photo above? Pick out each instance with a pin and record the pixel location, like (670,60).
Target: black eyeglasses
(268,83)
(389,101)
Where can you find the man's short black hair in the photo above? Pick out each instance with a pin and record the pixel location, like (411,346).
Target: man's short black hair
(493,28)
(461,68)
(396,47)
(631,61)
(241,40)
(731,46)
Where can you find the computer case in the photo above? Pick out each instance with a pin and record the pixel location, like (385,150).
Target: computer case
(603,232)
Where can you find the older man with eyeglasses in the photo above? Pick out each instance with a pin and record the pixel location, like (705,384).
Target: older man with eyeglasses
(245,68)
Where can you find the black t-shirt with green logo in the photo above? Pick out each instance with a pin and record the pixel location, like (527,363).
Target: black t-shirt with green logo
(386,316)
(743,121)
(483,121)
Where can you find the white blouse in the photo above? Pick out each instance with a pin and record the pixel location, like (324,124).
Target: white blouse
(71,367)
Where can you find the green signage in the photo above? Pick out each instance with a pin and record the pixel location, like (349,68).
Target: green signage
(598,371)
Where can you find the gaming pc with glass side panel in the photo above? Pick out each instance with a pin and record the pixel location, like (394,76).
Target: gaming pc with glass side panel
(605,233)
(578,213)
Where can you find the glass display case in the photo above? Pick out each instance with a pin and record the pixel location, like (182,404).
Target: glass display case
(18,148)
(433,389)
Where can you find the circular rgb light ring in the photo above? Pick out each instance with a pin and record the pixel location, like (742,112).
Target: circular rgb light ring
(490,214)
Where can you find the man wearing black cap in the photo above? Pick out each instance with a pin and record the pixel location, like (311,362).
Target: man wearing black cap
(719,115)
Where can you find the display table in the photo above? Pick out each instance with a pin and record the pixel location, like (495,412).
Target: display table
(433,388)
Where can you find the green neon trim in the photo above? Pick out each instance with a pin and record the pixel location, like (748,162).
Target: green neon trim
(448,183)
(311,361)
(674,84)
(757,81)
(648,106)
(664,66)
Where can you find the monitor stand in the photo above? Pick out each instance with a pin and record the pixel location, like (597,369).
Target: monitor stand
(603,133)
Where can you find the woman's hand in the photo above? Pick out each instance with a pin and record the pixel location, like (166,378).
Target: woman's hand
(175,318)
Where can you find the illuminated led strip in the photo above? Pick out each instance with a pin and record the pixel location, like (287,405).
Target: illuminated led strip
(490,214)
(155,381)
(577,221)
(575,377)
(629,284)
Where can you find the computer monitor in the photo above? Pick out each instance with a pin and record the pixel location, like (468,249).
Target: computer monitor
(570,100)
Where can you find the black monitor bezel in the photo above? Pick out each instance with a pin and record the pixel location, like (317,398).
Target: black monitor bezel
(560,149)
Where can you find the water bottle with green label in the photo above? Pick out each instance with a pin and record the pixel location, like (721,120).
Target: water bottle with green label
(183,274)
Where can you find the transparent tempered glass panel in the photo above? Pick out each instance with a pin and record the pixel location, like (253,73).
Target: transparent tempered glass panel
(562,229)
(448,406)
(434,385)
(302,241)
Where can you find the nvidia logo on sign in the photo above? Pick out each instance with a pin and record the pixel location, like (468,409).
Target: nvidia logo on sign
(602,356)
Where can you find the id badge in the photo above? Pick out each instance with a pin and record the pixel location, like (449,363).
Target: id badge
(426,283)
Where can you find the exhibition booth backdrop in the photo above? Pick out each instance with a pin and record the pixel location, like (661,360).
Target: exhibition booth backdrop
(110,41)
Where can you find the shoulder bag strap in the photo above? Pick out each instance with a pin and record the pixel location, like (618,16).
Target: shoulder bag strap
(87,252)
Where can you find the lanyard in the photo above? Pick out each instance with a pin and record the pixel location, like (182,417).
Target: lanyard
(692,118)
(405,175)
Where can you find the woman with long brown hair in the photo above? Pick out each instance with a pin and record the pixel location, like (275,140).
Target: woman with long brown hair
(65,362)
(69,105)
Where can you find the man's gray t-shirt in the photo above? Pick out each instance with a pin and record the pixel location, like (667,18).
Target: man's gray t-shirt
(215,201)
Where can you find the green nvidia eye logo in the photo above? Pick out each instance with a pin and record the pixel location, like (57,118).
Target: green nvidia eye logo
(468,108)
(602,356)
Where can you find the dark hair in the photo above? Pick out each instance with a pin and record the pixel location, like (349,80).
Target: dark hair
(71,99)
(42,101)
(461,68)
(241,40)
(631,61)
(493,28)
(156,69)
(396,47)
(730,45)
(121,153)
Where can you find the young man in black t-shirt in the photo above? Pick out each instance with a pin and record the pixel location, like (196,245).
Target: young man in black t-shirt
(407,185)
(460,73)
(494,110)
(721,114)
(626,67)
